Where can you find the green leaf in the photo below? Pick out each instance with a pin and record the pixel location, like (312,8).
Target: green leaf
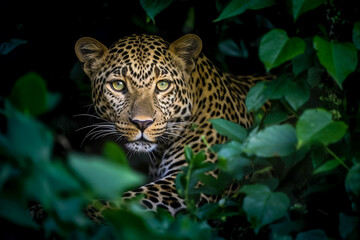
(327,166)
(228,47)
(107,179)
(277,88)
(7,47)
(317,234)
(29,94)
(71,210)
(26,137)
(352,186)
(237,7)
(229,129)
(356,35)
(275,117)
(115,153)
(316,126)
(15,210)
(276,48)
(256,98)
(262,206)
(276,140)
(232,161)
(301,6)
(339,59)
(188,154)
(305,60)
(348,226)
(154,7)
(298,93)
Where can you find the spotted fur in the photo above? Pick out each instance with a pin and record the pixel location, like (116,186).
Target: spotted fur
(149,120)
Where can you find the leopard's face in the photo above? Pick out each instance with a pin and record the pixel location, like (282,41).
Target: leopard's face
(141,85)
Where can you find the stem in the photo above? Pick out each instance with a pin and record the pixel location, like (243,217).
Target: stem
(290,109)
(336,157)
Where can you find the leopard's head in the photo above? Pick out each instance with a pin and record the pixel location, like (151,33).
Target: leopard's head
(141,85)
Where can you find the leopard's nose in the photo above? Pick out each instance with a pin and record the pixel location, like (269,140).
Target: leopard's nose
(142,124)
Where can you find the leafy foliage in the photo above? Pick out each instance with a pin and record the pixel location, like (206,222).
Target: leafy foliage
(295,172)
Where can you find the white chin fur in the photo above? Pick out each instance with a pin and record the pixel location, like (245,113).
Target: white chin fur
(141,146)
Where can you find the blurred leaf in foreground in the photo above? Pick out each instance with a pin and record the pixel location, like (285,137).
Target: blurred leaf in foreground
(107,179)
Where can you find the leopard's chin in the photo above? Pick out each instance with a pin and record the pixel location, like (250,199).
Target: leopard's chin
(141,146)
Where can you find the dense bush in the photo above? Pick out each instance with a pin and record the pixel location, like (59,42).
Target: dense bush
(298,165)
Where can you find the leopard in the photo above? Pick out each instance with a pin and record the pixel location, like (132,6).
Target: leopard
(158,97)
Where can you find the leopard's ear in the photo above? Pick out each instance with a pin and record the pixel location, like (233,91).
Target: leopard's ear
(91,53)
(188,48)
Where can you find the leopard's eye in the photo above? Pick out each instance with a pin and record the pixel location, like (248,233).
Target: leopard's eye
(162,85)
(117,85)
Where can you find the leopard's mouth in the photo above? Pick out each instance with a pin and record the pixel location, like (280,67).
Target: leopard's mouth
(141,146)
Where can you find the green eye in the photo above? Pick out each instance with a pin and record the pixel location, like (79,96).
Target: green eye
(117,85)
(163,85)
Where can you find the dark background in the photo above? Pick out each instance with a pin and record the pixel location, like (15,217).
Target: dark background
(51,29)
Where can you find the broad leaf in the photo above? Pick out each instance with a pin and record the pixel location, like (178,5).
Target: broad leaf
(298,93)
(301,6)
(349,226)
(229,129)
(352,186)
(232,161)
(237,7)
(14,210)
(275,117)
(255,98)
(115,153)
(7,47)
(107,179)
(356,35)
(276,48)
(228,47)
(26,137)
(327,166)
(317,234)
(316,126)
(276,140)
(262,206)
(339,59)
(29,94)
(154,7)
